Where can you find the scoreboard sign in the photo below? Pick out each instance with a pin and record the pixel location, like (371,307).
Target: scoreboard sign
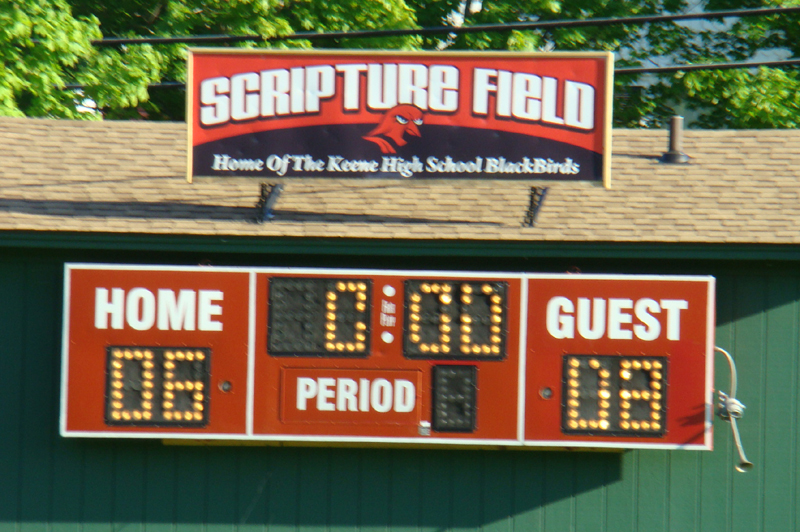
(392,357)
(269,113)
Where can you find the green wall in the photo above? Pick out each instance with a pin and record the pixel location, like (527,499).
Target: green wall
(51,484)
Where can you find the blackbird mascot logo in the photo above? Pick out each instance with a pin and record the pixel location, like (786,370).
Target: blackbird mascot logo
(397,122)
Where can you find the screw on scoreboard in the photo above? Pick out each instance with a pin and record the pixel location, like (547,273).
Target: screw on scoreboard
(387,357)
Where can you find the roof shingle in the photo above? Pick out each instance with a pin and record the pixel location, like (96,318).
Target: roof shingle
(740,186)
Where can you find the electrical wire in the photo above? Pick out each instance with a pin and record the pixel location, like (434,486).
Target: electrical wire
(506,26)
(617,71)
(503,26)
(705,66)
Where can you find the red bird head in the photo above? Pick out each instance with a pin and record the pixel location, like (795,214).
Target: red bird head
(398,121)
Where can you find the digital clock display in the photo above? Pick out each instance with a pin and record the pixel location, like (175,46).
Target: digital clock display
(455,319)
(319,317)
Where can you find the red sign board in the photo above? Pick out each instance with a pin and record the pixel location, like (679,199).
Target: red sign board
(408,115)
(650,341)
(405,357)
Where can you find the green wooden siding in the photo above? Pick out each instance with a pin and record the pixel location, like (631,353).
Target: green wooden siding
(52,484)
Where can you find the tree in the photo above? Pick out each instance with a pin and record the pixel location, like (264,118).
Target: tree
(32,73)
(45,45)
(267,18)
(741,98)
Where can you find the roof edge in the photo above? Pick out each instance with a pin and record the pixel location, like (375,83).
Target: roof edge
(49,240)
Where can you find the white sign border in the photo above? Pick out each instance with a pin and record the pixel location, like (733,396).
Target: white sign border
(519,442)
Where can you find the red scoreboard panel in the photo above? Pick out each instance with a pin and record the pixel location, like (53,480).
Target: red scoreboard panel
(394,357)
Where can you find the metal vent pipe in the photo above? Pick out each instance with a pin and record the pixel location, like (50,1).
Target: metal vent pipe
(675,155)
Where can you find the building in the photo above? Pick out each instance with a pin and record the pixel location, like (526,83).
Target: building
(107,192)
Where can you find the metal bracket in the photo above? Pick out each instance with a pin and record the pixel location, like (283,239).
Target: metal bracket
(266,202)
(730,409)
(537,196)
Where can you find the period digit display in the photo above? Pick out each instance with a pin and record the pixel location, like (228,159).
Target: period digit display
(455,391)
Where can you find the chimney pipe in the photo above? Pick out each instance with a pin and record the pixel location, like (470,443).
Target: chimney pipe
(675,154)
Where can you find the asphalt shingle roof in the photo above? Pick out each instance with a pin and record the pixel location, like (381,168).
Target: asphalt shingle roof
(740,186)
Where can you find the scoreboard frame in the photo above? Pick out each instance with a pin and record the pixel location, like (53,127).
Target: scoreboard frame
(543,361)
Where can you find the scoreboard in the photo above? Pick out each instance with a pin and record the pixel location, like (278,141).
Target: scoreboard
(387,357)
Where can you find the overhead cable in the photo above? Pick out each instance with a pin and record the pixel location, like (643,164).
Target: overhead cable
(705,66)
(436,30)
(618,70)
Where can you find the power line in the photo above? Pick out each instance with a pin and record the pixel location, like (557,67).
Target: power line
(705,66)
(646,19)
(618,70)
(503,26)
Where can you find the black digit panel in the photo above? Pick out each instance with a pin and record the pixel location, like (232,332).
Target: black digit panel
(157,386)
(319,317)
(614,395)
(455,390)
(455,319)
